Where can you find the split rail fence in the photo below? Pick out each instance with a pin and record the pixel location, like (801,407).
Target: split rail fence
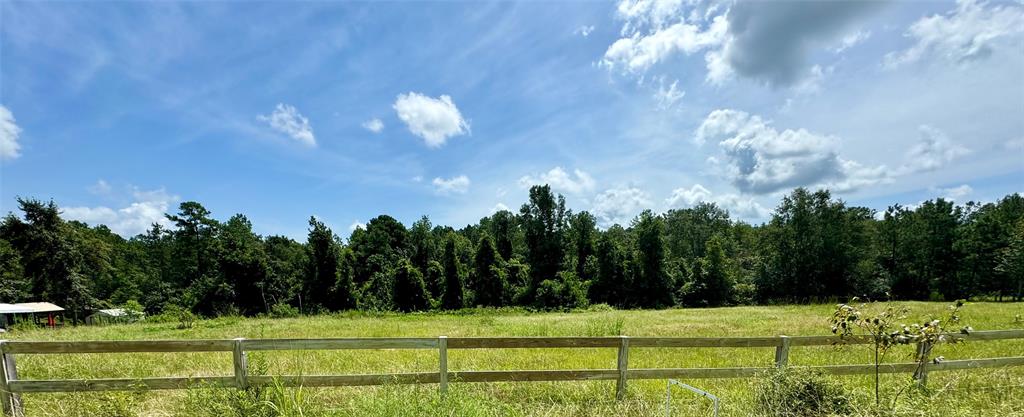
(11,386)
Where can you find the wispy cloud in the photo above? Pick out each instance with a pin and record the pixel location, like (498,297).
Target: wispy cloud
(454,185)
(286,119)
(9,132)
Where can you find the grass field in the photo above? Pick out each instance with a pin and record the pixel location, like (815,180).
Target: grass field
(956,393)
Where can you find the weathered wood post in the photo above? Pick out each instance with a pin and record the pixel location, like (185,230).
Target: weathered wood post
(442,350)
(9,401)
(782,352)
(921,373)
(241,365)
(620,388)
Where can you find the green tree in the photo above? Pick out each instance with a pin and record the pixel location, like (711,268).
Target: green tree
(244,265)
(651,286)
(410,290)
(503,228)
(544,223)
(323,288)
(489,277)
(582,228)
(453,289)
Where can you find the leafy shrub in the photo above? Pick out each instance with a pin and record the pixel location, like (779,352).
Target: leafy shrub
(791,392)
(283,310)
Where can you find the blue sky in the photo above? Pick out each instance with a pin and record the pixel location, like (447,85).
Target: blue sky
(118,111)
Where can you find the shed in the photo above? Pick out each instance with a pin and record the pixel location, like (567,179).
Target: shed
(31,309)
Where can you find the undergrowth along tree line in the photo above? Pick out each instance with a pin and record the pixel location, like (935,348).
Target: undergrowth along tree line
(545,256)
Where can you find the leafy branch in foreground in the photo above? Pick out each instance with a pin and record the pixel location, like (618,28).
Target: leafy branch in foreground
(880,328)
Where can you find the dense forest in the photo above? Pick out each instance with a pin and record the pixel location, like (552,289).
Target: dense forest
(545,256)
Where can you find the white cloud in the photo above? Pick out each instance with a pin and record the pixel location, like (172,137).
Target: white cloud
(9,132)
(286,119)
(454,185)
(639,52)
(100,188)
(584,30)
(668,98)
(560,180)
(761,159)
(433,119)
(146,208)
(682,197)
(764,41)
(969,32)
(851,40)
(374,125)
(418,178)
(499,207)
(745,208)
(356,225)
(955,193)
(619,205)
(933,151)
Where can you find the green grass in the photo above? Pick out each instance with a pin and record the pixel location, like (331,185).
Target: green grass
(958,393)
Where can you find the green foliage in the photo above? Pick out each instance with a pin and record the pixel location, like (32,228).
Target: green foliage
(883,330)
(410,291)
(814,248)
(283,310)
(453,283)
(793,392)
(565,292)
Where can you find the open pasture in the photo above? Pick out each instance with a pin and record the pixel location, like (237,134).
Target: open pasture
(972,392)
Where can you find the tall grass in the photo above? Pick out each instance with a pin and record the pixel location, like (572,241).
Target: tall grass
(960,393)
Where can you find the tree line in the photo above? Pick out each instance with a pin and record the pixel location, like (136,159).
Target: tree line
(546,256)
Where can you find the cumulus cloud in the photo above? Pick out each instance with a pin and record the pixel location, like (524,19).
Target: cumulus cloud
(499,207)
(9,132)
(760,159)
(955,193)
(683,197)
(146,208)
(619,205)
(286,119)
(560,180)
(968,32)
(933,151)
(433,119)
(374,125)
(641,51)
(770,41)
(764,41)
(454,185)
(356,225)
(745,208)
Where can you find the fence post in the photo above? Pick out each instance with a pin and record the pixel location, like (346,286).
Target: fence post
(782,352)
(241,365)
(620,388)
(9,401)
(921,374)
(442,350)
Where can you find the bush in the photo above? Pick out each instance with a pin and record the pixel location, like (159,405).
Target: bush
(791,392)
(283,310)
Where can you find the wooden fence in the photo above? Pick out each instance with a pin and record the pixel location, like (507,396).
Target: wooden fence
(11,387)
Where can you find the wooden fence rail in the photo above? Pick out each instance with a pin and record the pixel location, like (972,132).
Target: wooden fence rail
(11,386)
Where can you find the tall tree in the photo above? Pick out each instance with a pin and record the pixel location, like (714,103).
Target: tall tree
(544,222)
(323,288)
(489,277)
(410,291)
(453,289)
(244,265)
(503,228)
(651,285)
(582,228)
